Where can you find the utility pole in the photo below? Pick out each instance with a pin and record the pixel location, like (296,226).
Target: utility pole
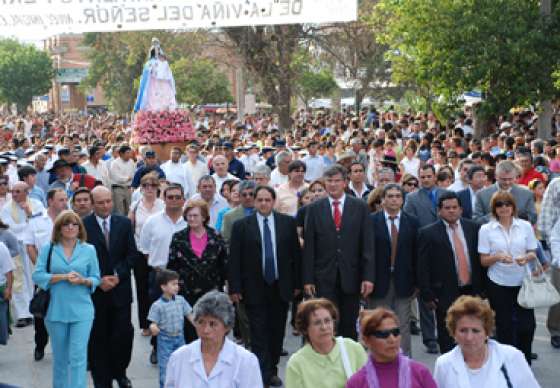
(546,110)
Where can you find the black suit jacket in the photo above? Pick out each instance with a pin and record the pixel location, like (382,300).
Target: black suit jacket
(466,202)
(118,258)
(245,267)
(348,253)
(437,274)
(405,262)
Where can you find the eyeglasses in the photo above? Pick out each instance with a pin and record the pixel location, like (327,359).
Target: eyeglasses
(174,197)
(503,203)
(323,322)
(413,184)
(384,334)
(152,185)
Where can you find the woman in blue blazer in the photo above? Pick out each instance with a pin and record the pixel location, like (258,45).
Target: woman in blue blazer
(73,277)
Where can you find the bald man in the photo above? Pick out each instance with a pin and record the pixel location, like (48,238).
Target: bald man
(17,213)
(221,174)
(110,344)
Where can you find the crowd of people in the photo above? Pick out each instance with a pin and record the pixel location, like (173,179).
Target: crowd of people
(365,228)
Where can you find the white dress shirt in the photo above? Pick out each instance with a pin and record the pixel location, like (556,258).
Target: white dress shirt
(314,167)
(121,172)
(39,231)
(493,238)
(260,221)
(155,237)
(221,179)
(236,368)
(340,205)
(141,214)
(458,185)
(388,222)
(197,170)
(463,240)
(178,173)
(99,171)
(277,178)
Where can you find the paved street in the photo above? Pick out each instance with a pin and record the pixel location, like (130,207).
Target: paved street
(17,366)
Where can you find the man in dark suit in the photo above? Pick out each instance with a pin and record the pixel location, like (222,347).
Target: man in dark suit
(477,180)
(448,262)
(338,261)
(264,272)
(110,343)
(422,205)
(395,260)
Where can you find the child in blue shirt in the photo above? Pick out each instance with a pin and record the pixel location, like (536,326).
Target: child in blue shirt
(167,315)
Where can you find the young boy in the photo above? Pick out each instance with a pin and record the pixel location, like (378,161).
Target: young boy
(167,316)
(6,281)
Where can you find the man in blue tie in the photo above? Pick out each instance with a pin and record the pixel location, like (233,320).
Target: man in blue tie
(264,272)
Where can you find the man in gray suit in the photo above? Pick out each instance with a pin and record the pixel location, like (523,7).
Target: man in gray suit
(422,204)
(506,175)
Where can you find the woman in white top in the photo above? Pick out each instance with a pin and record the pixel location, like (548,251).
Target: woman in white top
(148,204)
(410,164)
(477,361)
(507,245)
(213,361)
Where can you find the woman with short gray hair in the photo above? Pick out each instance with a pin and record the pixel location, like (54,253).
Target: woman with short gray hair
(222,362)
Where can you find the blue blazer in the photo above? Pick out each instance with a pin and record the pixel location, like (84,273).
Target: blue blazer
(466,202)
(405,262)
(69,303)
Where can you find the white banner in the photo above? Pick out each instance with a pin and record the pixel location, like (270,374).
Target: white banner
(36,19)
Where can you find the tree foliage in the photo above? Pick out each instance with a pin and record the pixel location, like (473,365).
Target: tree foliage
(504,48)
(117,60)
(25,72)
(200,81)
(315,83)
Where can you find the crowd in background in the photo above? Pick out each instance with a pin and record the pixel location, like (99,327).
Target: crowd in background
(373,226)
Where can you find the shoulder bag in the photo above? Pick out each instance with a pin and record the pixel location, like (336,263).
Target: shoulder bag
(40,303)
(537,291)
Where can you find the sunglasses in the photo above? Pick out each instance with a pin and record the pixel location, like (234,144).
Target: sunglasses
(503,203)
(414,184)
(384,334)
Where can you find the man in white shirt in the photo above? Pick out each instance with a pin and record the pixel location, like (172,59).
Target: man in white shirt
(221,174)
(16,213)
(95,166)
(175,172)
(194,165)
(314,163)
(207,192)
(279,175)
(463,182)
(120,174)
(37,235)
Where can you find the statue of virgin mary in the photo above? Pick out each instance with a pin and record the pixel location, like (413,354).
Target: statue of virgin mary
(157,86)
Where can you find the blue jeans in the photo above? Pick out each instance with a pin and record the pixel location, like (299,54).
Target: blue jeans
(69,341)
(166,345)
(4,320)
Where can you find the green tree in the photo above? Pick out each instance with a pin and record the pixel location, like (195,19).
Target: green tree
(505,48)
(25,72)
(313,83)
(200,81)
(117,60)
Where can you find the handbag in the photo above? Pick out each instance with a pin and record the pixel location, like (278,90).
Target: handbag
(537,291)
(40,303)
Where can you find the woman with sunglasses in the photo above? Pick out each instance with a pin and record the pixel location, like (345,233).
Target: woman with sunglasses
(72,278)
(507,246)
(325,361)
(387,366)
(140,210)
(409,183)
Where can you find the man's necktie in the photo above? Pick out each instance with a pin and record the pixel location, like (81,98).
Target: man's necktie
(394,240)
(106,232)
(464,275)
(269,270)
(433,198)
(336,214)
